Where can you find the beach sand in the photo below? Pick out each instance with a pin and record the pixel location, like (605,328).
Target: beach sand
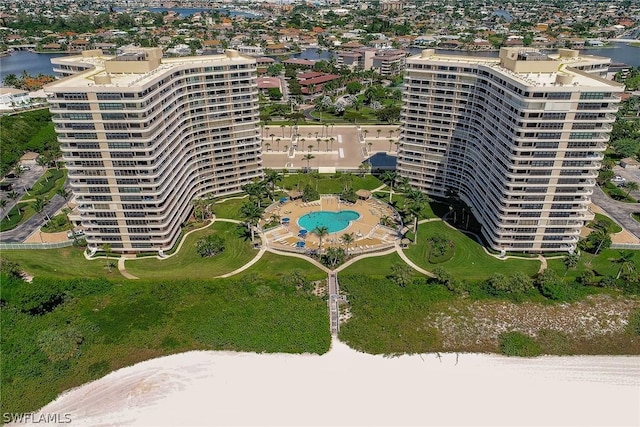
(348,388)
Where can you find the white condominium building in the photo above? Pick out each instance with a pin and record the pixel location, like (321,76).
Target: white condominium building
(142,136)
(519,138)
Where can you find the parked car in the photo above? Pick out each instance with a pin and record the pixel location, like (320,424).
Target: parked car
(618,178)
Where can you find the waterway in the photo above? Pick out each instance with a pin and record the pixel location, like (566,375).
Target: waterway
(37,63)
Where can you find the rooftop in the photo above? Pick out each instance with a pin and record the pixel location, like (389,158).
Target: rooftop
(533,68)
(126,74)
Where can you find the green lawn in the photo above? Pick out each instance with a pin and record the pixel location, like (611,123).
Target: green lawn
(603,264)
(186,263)
(60,263)
(376,267)
(229,208)
(469,262)
(612,227)
(329,184)
(272,265)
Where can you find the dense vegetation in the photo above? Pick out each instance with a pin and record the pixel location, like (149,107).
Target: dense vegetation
(29,131)
(60,333)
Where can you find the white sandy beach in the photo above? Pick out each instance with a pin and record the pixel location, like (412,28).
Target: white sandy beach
(348,388)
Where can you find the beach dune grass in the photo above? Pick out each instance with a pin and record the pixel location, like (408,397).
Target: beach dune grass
(470,261)
(188,263)
(121,323)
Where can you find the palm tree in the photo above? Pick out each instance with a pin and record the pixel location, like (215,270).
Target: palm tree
(630,186)
(369,144)
(321,231)
(302,141)
(389,178)
(378,130)
(391,142)
(271,177)
(331,139)
(365,133)
(271,136)
(310,147)
(308,158)
(625,261)
(347,239)
(39,205)
(282,127)
(391,133)
(318,142)
(570,261)
(267,145)
(64,193)
(278,143)
(252,214)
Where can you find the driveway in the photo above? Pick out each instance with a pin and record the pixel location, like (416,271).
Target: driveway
(619,211)
(24,230)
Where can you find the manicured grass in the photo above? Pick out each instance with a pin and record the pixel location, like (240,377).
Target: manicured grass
(603,264)
(272,265)
(103,327)
(617,193)
(60,263)
(229,208)
(57,224)
(636,216)
(48,184)
(375,267)
(329,184)
(15,216)
(187,263)
(469,262)
(612,227)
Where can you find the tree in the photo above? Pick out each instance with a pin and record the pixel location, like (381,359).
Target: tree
(64,193)
(255,190)
(272,177)
(333,257)
(400,274)
(347,239)
(252,214)
(353,87)
(630,186)
(625,262)
(389,178)
(308,158)
(39,205)
(570,261)
(210,245)
(321,231)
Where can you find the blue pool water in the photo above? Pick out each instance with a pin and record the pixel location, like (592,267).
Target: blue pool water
(334,221)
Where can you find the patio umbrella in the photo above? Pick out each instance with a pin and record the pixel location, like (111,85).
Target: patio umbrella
(283,199)
(300,244)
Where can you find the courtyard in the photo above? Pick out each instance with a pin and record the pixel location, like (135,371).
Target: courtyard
(368,233)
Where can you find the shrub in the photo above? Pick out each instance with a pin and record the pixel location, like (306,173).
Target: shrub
(210,245)
(518,344)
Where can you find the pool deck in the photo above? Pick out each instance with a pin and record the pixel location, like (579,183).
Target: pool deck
(369,235)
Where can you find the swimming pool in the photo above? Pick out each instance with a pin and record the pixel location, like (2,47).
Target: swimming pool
(334,221)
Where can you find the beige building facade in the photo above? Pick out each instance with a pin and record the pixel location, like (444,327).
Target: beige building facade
(143,135)
(519,139)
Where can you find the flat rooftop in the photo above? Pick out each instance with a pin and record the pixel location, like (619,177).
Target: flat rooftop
(535,79)
(87,79)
